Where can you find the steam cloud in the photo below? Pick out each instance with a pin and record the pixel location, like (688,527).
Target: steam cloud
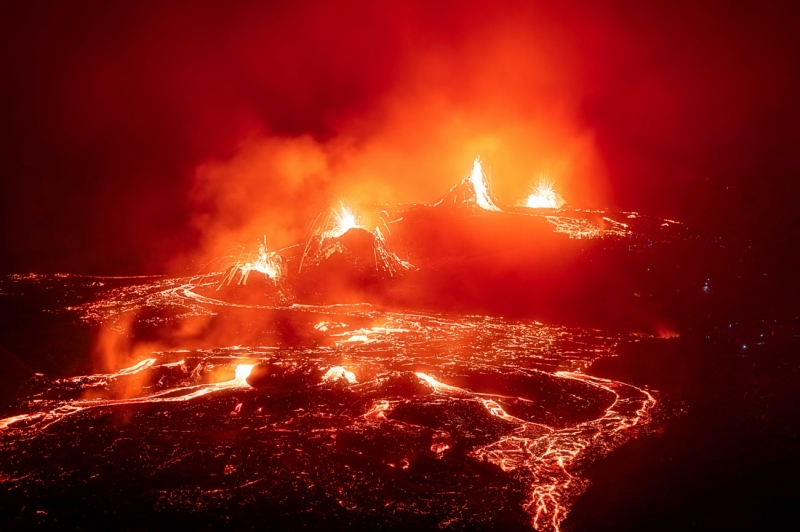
(494,94)
(140,135)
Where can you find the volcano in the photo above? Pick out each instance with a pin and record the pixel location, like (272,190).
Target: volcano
(354,389)
(474,192)
(358,262)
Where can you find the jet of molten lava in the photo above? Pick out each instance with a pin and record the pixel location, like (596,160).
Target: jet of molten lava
(267,262)
(544,197)
(481,188)
(345,220)
(340,221)
(243,371)
(324,240)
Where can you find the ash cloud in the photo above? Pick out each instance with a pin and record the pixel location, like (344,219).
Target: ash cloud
(139,135)
(495,92)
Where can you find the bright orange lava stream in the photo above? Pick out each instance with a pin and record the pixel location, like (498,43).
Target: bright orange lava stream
(365,341)
(539,453)
(42,420)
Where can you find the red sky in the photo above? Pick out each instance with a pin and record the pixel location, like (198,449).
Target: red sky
(139,135)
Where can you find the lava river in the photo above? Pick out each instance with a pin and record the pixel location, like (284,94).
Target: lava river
(318,416)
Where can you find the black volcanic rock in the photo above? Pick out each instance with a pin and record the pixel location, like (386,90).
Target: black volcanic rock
(466,419)
(283,377)
(360,243)
(257,289)
(536,396)
(405,384)
(14,373)
(357,250)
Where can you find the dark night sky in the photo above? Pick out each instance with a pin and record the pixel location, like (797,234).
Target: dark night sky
(139,135)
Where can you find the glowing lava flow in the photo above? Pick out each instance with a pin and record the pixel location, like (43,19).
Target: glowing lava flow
(579,228)
(243,371)
(479,184)
(136,368)
(540,451)
(542,456)
(43,420)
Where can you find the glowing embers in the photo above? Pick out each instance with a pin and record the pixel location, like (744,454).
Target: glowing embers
(544,196)
(342,238)
(575,227)
(340,221)
(580,228)
(264,261)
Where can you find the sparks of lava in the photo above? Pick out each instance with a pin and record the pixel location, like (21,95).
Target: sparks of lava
(481,187)
(544,197)
(586,228)
(323,240)
(267,262)
(340,221)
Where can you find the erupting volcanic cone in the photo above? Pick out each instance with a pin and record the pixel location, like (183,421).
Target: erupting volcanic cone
(473,191)
(259,289)
(254,277)
(357,250)
(543,196)
(356,261)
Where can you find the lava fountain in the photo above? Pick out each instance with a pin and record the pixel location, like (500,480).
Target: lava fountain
(481,187)
(264,261)
(354,411)
(544,196)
